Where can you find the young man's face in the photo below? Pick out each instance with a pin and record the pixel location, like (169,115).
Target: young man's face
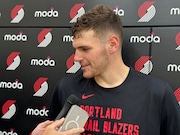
(91,54)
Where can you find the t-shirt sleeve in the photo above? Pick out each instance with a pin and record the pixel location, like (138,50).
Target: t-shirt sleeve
(170,124)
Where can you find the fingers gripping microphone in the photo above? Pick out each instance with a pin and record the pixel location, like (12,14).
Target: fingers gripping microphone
(72,99)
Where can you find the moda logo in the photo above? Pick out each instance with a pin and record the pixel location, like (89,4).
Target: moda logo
(67,38)
(72,66)
(178,41)
(144,64)
(146,11)
(177,94)
(76,11)
(11,132)
(118,11)
(13,37)
(37,112)
(8,109)
(44,38)
(50,13)
(11,85)
(13,61)
(175,11)
(40,87)
(40,62)
(173,68)
(17,14)
(143,39)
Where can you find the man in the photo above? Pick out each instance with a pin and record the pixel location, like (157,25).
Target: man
(119,99)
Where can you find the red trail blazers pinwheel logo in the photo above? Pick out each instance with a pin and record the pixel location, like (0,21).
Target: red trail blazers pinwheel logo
(76,11)
(17,13)
(40,87)
(144,65)
(146,11)
(44,38)
(8,109)
(178,41)
(72,66)
(177,94)
(13,61)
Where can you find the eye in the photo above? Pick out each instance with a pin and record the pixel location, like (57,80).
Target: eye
(85,48)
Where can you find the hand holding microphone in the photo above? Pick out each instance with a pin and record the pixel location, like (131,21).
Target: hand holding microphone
(75,117)
(72,100)
(68,125)
(50,128)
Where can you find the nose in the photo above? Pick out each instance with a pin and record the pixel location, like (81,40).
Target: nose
(78,57)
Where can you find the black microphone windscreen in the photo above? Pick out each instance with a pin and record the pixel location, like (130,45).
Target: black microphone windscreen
(71,100)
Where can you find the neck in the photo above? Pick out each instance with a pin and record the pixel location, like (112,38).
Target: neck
(114,76)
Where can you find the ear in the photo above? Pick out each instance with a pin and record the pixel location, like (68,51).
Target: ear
(113,43)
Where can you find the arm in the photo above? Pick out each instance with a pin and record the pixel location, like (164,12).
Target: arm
(170,115)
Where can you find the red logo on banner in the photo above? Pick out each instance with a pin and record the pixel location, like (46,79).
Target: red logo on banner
(177,94)
(72,66)
(144,65)
(8,109)
(76,11)
(44,38)
(178,41)
(146,11)
(13,61)
(17,13)
(40,87)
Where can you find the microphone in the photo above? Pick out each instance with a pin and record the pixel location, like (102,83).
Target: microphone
(72,99)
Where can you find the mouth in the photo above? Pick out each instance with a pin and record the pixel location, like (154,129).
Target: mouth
(83,67)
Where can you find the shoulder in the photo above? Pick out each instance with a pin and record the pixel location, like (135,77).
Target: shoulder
(145,78)
(150,82)
(72,81)
(72,78)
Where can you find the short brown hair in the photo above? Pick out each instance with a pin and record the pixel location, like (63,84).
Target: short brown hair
(101,19)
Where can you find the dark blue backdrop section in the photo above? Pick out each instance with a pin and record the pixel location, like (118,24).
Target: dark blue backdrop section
(36,50)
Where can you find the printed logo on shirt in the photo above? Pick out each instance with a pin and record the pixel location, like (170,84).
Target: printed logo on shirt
(72,66)
(40,86)
(17,14)
(44,38)
(110,118)
(13,61)
(178,41)
(87,96)
(8,109)
(144,64)
(76,11)
(146,11)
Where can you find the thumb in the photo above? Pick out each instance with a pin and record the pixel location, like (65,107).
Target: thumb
(57,123)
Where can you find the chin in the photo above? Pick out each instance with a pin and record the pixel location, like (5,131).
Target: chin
(88,76)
